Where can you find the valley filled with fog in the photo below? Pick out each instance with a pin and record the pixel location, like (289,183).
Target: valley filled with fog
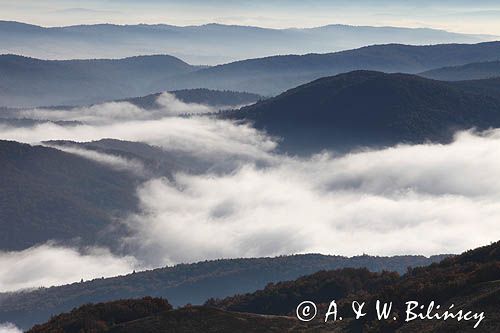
(246,199)
(207,166)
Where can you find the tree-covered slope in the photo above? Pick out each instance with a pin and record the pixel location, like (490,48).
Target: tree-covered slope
(469,281)
(182,284)
(214,98)
(46,194)
(474,71)
(365,108)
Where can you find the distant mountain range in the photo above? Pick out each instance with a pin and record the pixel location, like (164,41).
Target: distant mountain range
(474,71)
(273,75)
(374,109)
(206,44)
(182,284)
(471,282)
(26,82)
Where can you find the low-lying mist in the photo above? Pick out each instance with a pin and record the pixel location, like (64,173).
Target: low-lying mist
(166,105)
(425,199)
(49,265)
(420,199)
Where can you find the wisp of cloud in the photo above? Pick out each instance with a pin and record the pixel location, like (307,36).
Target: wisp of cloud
(48,265)
(166,105)
(119,163)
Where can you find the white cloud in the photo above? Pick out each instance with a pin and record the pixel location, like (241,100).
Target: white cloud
(48,265)
(9,328)
(119,163)
(96,114)
(112,112)
(424,199)
(199,135)
(170,105)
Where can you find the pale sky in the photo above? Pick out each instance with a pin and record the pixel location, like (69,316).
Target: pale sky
(479,16)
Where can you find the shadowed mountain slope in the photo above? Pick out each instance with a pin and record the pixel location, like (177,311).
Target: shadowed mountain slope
(47,194)
(184,320)
(102,317)
(364,108)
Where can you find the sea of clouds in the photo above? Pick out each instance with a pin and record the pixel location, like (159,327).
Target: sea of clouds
(408,199)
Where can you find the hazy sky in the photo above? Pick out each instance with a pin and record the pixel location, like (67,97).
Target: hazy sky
(479,16)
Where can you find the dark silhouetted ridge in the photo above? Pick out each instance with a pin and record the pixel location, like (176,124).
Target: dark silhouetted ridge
(365,108)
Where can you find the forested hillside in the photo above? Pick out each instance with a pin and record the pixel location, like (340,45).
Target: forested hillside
(46,194)
(365,108)
(470,281)
(183,284)
(474,71)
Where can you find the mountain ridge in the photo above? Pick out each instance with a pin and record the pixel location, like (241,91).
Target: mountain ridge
(30,82)
(328,113)
(469,281)
(275,74)
(21,23)
(187,283)
(472,71)
(98,40)
(27,82)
